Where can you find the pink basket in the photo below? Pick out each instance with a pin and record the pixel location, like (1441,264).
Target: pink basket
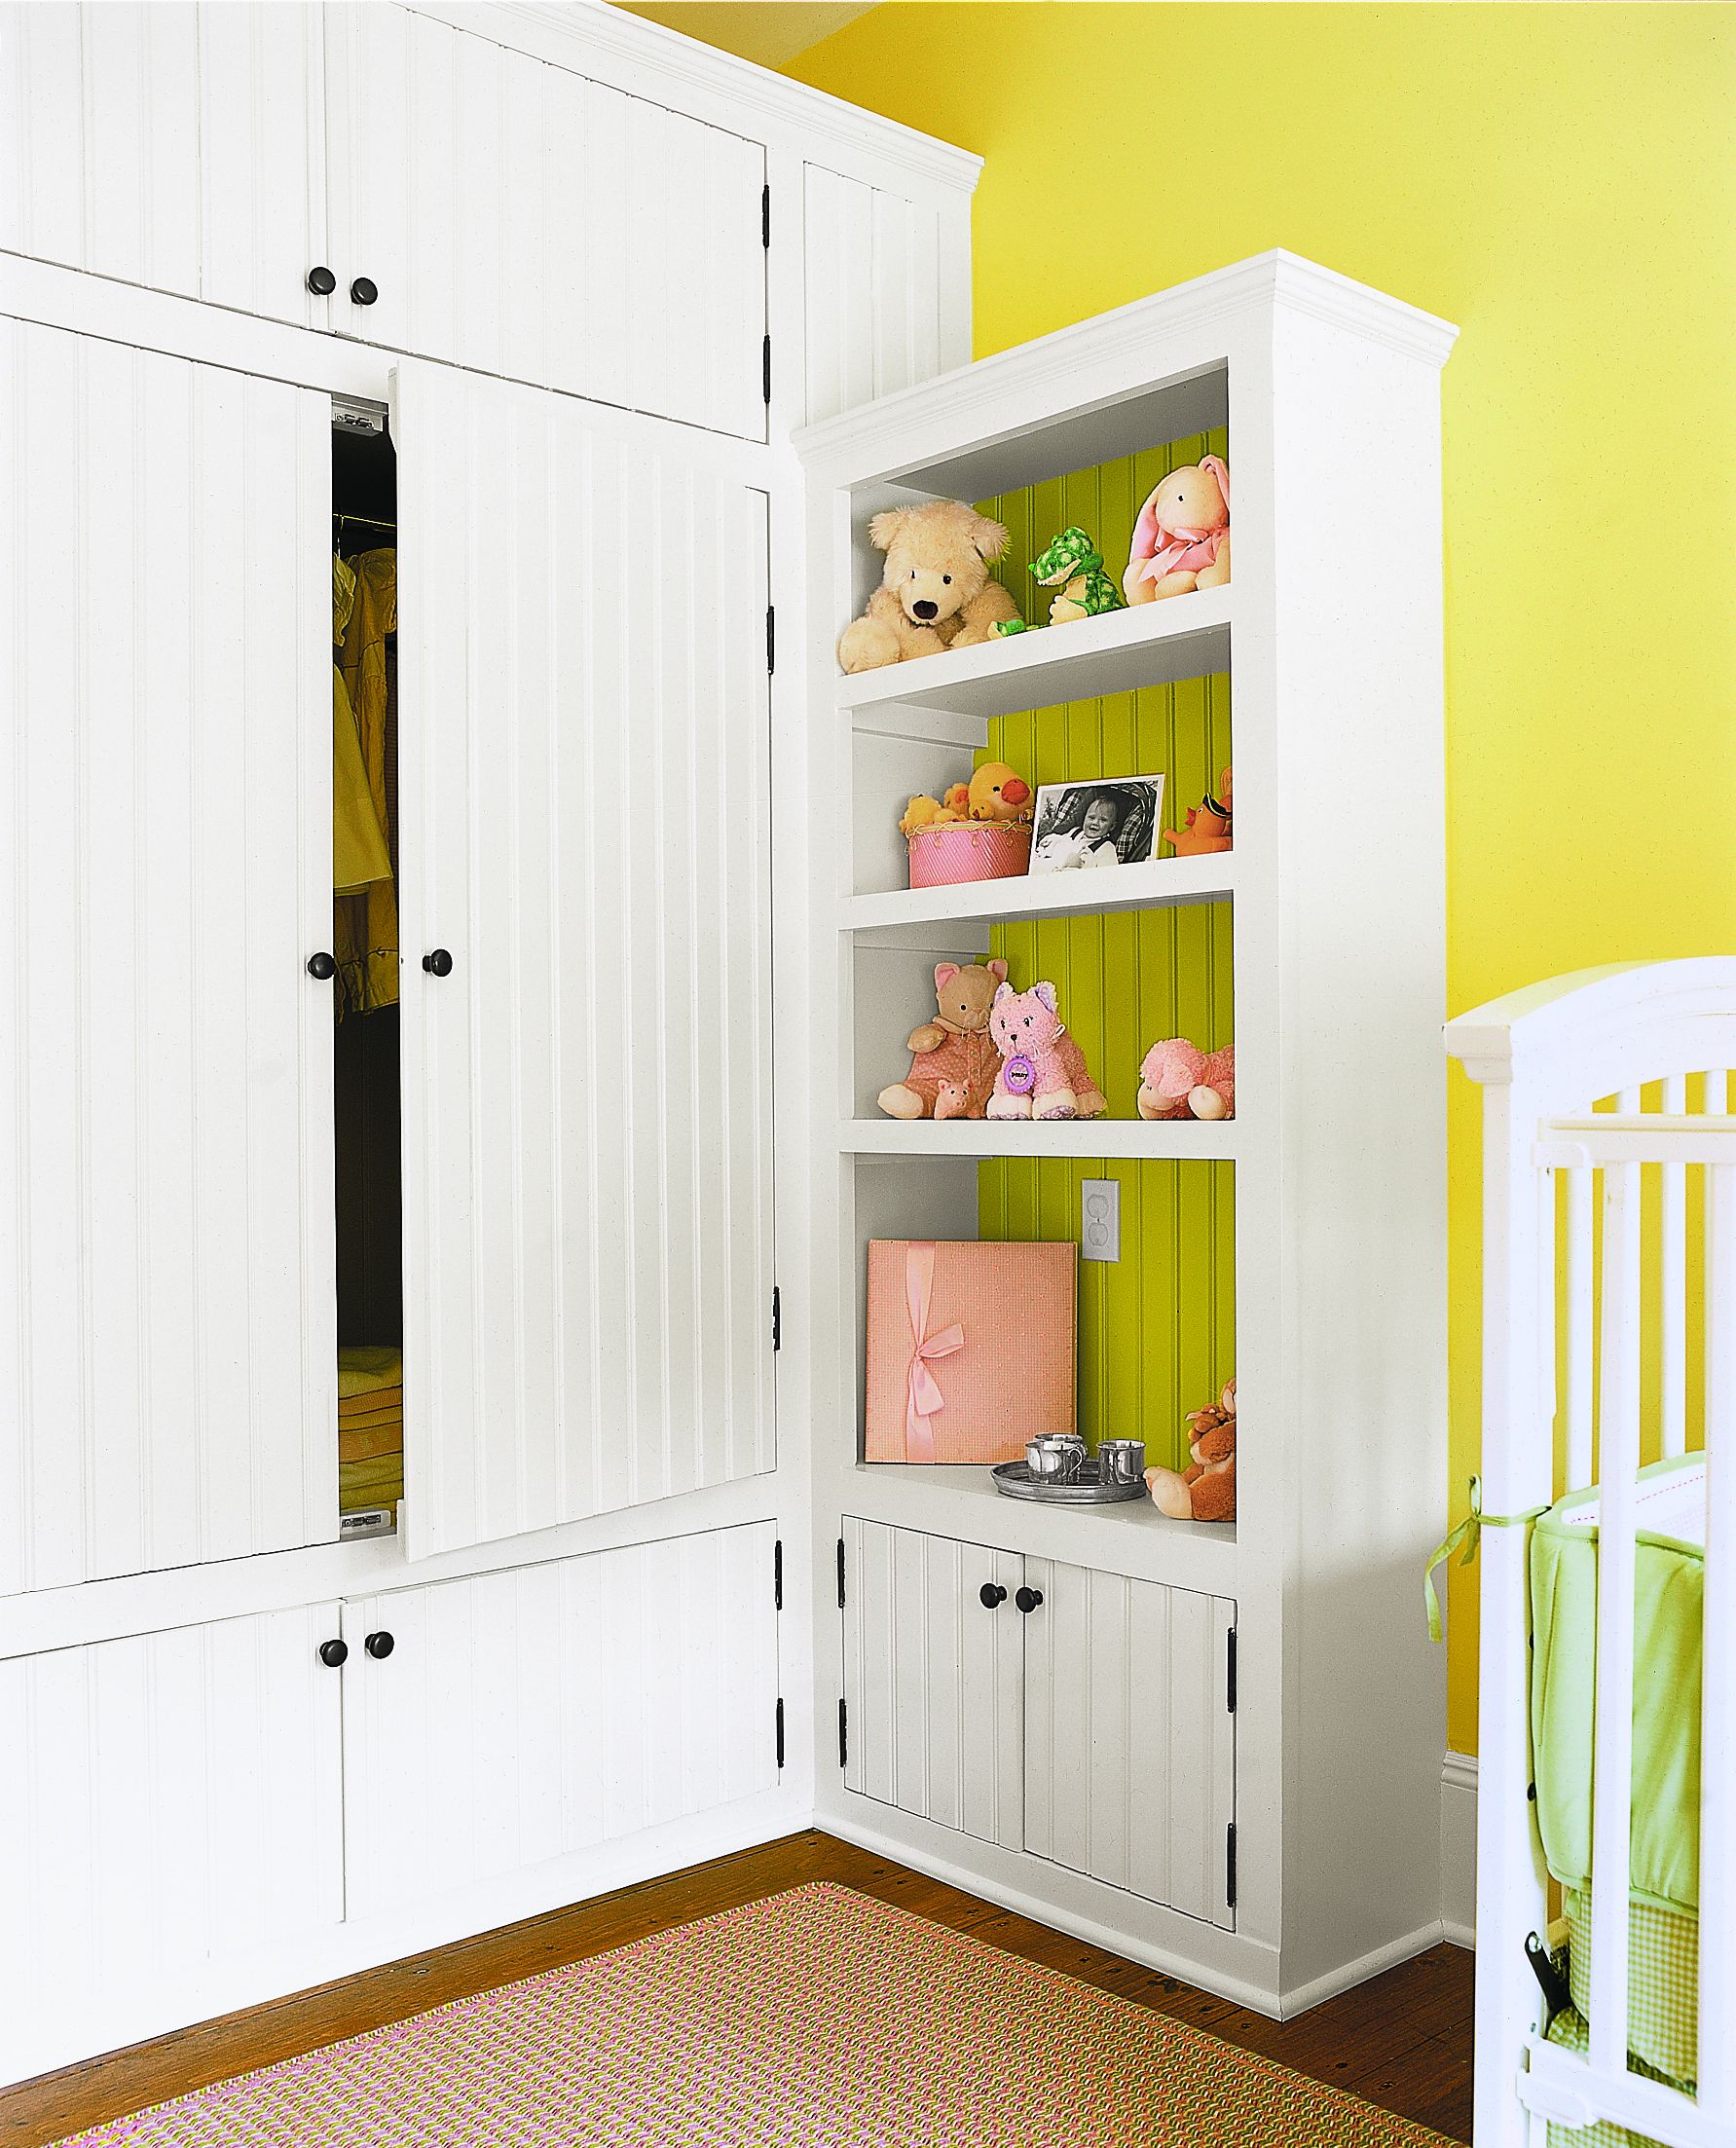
(968,850)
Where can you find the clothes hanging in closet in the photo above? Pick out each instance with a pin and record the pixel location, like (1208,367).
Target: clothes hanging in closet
(360,855)
(365,908)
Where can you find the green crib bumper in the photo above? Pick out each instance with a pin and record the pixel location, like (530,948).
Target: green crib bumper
(1668,1596)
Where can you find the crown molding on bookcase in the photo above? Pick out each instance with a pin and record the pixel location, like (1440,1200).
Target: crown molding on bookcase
(1047,370)
(639,54)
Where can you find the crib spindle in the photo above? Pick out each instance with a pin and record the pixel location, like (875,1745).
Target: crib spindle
(1579,1327)
(1718,1667)
(1673,1284)
(1618,1460)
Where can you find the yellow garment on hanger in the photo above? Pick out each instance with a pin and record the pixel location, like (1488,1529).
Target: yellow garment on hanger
(366,928)
(360,856)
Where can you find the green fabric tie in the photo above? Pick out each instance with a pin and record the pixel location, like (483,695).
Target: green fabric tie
(1469,1534)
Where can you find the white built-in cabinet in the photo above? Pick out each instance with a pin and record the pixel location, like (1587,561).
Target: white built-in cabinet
(506,214)
(1080,1717)
(588,1128)
(197,1796)
(170,1799)
(499,1721)
(595,275)
(165,1061)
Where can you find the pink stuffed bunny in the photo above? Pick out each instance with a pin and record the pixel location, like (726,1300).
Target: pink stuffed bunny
(1178,1081)
(1181,540)
(1042,1071)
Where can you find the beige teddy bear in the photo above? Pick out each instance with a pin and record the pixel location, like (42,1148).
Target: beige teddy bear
(935,592)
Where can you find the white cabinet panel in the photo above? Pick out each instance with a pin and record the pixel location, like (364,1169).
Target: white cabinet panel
(100,118)
(522,220)
(933,1678)
(875,303)
(165,1801)
(585,828)
(1130,1739)
(173,146)
(525,1715)
(261,172)
(165,1215)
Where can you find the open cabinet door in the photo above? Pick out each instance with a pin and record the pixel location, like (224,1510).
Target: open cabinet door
(584,788)
(165,1059)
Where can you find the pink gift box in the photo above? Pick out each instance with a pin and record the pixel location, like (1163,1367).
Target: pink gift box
(970,1347)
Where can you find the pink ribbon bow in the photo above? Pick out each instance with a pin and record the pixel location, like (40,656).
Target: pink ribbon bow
(925,1396)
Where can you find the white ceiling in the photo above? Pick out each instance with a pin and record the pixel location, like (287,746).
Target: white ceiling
(768,32)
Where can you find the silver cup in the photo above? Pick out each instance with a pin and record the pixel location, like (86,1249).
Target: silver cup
(1121,1460)
(1055,1458)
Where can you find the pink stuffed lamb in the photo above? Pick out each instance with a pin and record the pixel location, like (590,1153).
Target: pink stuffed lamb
(1181,540)
(1178,1081)
(1042,1071)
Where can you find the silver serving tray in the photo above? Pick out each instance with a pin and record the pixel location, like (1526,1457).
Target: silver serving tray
(1015,1479)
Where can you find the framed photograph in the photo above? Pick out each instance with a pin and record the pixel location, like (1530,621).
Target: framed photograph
(1107,821)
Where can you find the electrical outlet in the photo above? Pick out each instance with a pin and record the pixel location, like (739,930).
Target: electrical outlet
(1100,1219)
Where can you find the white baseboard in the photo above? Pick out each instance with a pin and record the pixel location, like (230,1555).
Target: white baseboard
(1458,1849)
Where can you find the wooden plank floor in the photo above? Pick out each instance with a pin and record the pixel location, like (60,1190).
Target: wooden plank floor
(1402,2041)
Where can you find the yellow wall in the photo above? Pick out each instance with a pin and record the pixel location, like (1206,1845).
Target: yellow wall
(1558,180)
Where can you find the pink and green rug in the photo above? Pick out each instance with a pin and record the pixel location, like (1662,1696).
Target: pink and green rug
(817,2019)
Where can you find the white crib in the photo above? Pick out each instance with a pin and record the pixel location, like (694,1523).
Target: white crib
(1634,1259)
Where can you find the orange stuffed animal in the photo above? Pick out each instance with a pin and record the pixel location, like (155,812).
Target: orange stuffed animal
(1206,1490)
(1209,826)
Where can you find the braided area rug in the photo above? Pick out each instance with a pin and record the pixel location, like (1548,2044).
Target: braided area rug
(816,2019)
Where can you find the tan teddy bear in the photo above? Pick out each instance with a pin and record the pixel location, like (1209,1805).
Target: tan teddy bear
(935,592)
(954,1060)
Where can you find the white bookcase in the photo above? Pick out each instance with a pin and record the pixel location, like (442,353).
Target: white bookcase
(1331,635)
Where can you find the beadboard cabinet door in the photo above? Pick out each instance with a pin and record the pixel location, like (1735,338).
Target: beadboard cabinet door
(167,1802)
(166,1061)
(524,1715)
(585,830)
(1129,1737)
(172,145)
(934,1678)
(888,292)
(522,220)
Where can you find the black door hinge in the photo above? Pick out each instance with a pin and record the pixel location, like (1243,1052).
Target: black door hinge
(1229,1865)
(765,369)
(777,1318)
(766,216)
(1230,1675)
(780,1735)
(843,1733)
(777,1574)
(771,638)
(840,1573)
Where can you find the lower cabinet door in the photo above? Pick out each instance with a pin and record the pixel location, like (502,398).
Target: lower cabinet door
(1130,1741)
(165,1801)
(493,1722)
(933,1678)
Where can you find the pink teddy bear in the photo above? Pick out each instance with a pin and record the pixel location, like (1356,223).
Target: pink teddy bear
(1042,1071)
(1178,1081)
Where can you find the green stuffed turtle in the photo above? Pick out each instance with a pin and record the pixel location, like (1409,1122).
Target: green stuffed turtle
(1074,566)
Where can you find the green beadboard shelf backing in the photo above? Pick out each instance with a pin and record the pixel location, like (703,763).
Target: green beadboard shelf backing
(1157,1328)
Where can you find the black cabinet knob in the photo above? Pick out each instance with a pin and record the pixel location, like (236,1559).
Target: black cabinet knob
(364,290)
(322,283)
(437,964)
(334,1654)
(1027,1599)
(321,966)
(992,1594)
(380,1646)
